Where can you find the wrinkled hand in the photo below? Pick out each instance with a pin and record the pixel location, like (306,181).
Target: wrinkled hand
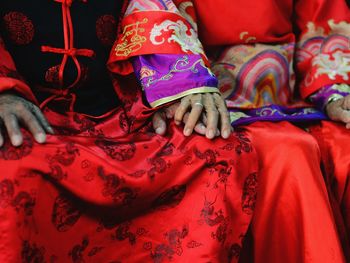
(16,111)
(203,113)
(339,110)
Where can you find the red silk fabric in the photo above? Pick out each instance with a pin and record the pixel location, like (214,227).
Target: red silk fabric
(96,193)
(222,22)
(273,22)
(293,220)
(333,139)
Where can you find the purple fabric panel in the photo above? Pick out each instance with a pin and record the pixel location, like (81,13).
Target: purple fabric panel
(277,113)
(163,76)
(320,98)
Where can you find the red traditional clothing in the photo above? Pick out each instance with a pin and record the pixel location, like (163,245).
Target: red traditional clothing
(255,47)
(107,189)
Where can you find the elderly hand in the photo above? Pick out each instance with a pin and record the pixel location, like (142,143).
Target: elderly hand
(16,111)
(339,110)
(203,113)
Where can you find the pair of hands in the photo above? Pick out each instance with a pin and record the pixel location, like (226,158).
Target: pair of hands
(205,114)
(339,110)
(202,113)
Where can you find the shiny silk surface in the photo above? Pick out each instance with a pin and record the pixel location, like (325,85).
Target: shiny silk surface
(107,188)
(333,139)
(94,193)
(293,220)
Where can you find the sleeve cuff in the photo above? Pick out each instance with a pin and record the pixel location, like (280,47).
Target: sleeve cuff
(18,86)
(166,78)
(329,93)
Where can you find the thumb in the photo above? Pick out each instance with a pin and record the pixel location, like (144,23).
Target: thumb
(344,116)
(339,114)
(159,122)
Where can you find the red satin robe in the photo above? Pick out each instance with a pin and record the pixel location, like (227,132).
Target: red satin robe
(313,38)
(107,188)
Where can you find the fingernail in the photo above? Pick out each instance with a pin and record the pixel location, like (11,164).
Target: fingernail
(50,130)
(16,140)
(210,134)
(159,130)
(40,138)
(187,132)
(226,134)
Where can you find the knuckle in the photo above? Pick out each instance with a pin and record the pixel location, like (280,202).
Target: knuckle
(214,111)
(19,107)
(178,117)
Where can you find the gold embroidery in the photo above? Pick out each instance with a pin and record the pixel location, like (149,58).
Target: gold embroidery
(341,28)
(245,36)
(131,33)
(146,72)
(181,65)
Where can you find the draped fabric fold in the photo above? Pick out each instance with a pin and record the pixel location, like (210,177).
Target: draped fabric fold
(105,187)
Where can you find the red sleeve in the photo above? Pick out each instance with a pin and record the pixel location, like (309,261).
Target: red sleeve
(323,49)
(149,28)
(10,79)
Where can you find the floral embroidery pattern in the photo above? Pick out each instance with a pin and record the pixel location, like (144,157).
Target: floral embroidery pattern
(187,38)
(332,65)
(106,30)
(182,64)
(19,27)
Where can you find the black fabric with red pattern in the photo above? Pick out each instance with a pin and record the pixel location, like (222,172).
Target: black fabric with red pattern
(28,25)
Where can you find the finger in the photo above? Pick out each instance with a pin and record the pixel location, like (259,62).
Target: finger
(33,125)
(13,130)
(42,119)
(334,110)
(345,103)
(181,110)
(170,111)
(199,128)
(159,123)
(212,115)
(344,116)
(224,116)
(1,138)
(204,118)
(196,111)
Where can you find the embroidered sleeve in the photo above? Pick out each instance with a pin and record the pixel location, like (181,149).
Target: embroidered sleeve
(323,50)
(159,43)
(329,93)
(10,79)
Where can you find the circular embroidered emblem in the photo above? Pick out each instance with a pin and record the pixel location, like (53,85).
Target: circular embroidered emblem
(19,27)
(52,75)
(106,29)
(9,152)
